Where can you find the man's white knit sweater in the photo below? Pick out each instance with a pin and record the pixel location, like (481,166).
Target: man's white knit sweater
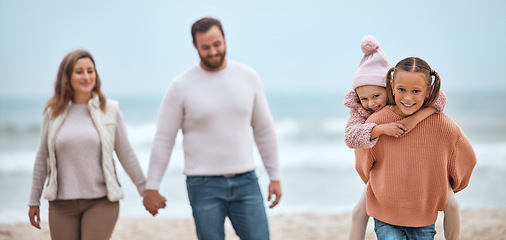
(216,112)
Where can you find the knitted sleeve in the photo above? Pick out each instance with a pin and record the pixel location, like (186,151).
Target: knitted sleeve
(170,120)
(461,163)
(264,133)
(363,163)
(40,164)
(440,102)
(127,156)
(357,133)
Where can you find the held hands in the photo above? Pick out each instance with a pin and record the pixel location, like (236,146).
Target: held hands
(274,189)
(34,216)
(408,125)
(411,121)
(153,201)
(394,129)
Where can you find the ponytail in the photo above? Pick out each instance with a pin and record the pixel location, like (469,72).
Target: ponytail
(435,84)
(389,80)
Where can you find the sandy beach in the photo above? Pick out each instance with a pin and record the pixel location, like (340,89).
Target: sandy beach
(475,224)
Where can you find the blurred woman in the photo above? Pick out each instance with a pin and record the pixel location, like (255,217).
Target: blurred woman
(80,130)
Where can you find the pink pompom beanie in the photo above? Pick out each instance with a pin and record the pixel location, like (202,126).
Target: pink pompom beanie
(373,67)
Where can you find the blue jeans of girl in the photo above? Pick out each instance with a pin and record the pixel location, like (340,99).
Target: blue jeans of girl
(385,231)
(213,198)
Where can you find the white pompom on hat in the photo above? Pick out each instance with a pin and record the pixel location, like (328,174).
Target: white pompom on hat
(373,67)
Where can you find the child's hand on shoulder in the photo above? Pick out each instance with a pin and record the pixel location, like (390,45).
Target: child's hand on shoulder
(394,129)
(408,124)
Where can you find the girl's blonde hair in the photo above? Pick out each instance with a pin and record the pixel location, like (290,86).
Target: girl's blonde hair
(418,65)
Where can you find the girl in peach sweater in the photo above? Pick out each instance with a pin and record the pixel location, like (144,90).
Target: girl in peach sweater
(369,96)
(407,178)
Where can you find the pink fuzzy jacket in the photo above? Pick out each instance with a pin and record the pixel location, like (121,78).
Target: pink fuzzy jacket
(357,133)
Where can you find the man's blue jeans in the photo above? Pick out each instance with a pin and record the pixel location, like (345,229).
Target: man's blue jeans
(385,231)
(215,197)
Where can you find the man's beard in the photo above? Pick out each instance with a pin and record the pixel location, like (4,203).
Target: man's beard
(213,65)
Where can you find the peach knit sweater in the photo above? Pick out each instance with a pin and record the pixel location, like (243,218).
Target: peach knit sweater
(408,177)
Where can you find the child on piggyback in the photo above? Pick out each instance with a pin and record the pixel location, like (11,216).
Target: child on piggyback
(408,178)
(369,96)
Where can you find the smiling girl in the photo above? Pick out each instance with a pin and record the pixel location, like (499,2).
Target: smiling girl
(407,178)
(369,95)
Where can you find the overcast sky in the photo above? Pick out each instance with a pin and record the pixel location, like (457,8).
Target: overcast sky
(139,46)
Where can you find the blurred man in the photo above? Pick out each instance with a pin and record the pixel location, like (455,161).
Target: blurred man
(217,104)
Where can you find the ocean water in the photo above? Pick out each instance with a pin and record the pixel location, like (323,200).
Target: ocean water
(318,172)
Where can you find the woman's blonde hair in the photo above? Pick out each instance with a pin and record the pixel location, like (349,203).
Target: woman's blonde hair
(63,92)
